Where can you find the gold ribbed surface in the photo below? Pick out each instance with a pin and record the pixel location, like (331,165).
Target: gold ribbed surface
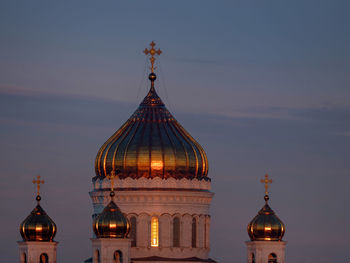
(151,143)
(111,223)
(38,226)
(266,226)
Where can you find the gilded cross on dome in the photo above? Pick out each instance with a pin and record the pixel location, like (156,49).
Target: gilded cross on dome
(266,181)
(152,52)
(111,177)
(38,182)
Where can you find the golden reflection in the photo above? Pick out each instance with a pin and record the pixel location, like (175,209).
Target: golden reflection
(38,228)
(154,232)
(157,165)
(112,225)
(267,228)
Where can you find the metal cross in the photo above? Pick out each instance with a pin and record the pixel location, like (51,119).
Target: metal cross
(38,182)
(111,178)
(266,181)
(152,52)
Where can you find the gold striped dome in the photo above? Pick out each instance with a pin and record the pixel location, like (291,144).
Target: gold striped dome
(111,223)
(151,143)
(266,226)
(38,226)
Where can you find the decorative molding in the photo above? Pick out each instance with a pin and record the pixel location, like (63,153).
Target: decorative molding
(157,182)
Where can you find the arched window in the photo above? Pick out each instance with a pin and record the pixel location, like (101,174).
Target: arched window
(97,256)
(154,232)
(253,258)
(23,258)
(194,232)
(118,257)
(44,258)
(272,258)
(176,232)
(133,231)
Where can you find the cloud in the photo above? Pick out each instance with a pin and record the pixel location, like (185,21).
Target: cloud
(345,134)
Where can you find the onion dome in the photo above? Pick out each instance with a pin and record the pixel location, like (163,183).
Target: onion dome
(266,226)
(38,226)
(111,223)
(152,143)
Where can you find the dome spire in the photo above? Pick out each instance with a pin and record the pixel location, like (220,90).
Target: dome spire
(266,181)
(38,182)
(266,226)
(38,226)
(111,223)
(152,143)
(111,177)
(151,54)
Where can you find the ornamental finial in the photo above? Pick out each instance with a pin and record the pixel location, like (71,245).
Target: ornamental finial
(152,52)
(38,182)
(266,181)
(111,177)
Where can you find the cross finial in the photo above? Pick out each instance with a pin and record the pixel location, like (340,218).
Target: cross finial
(152,52)
(266,181)
(38,182)
(111,177)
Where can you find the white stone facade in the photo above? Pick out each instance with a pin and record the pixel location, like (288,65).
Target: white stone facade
(31,251)
(266,251)
(111,250)
(143,199)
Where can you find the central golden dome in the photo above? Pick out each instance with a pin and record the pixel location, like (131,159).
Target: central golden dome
(151,143)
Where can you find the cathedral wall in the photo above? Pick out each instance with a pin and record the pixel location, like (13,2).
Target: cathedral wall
(30,251)
(262,250)
(190,206)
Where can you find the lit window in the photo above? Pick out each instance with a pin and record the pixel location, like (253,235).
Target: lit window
(154,232)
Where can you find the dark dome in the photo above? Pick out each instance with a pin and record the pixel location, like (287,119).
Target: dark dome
(38,226)
(266,226)
(111,223)
(151,143)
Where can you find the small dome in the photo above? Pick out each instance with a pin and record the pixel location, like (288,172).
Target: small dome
(266,226)
(151,143)
(38,226)
(111,223)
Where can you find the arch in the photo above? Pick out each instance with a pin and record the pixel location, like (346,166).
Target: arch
(176,232)
(23,257)
(165,231)
(118,257)
(97,256)
(253,258)
(272,258)
(154,231)
(194,232)
(133,236)
(44,258)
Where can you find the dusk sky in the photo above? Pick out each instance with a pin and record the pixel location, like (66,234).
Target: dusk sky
(263,86)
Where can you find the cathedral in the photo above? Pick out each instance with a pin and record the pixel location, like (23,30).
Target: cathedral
(151,195)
